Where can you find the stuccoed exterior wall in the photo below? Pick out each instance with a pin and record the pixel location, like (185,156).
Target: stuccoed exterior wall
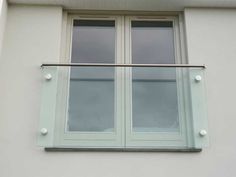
(3,17)
(211,40)
(33,35)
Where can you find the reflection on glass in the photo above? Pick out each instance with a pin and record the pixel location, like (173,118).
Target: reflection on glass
(154,90)
(93,41)
(152,42)
(91,102)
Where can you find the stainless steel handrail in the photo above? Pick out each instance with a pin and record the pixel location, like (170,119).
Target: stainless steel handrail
(122,65)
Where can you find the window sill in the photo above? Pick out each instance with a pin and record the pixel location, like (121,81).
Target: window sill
(192,150)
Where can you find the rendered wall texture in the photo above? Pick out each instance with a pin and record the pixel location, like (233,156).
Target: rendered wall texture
(33,35)
(211,40)
(3,17)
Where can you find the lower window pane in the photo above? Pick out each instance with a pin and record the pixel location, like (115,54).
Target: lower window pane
(91,99)
(154,100)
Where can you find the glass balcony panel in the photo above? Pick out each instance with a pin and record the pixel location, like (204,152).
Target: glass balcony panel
(138,106)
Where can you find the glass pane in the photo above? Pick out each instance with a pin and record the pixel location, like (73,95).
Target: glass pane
(93,41)
(154,90)
(91,101)
(154,100)
(152,42)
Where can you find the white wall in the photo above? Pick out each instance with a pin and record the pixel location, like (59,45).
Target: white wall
(33,36)
(211,39)
(3,17)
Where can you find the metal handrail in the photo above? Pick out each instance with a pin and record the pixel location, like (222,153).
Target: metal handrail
(122,65)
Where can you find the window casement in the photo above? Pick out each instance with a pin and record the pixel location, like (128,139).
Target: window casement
(123,85)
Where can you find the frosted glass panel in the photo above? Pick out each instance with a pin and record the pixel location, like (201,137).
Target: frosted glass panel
(91,107)
(93,41)
(154,100)
(91,102)
(152,42)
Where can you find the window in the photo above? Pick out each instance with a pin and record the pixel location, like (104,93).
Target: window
(125,89)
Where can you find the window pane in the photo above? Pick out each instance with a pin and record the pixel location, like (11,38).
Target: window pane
(91,102)
(154,90)
(93,41)
(152,42)
(154,100)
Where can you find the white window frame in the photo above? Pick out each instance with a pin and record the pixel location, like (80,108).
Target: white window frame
(92,139)
(154,139)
